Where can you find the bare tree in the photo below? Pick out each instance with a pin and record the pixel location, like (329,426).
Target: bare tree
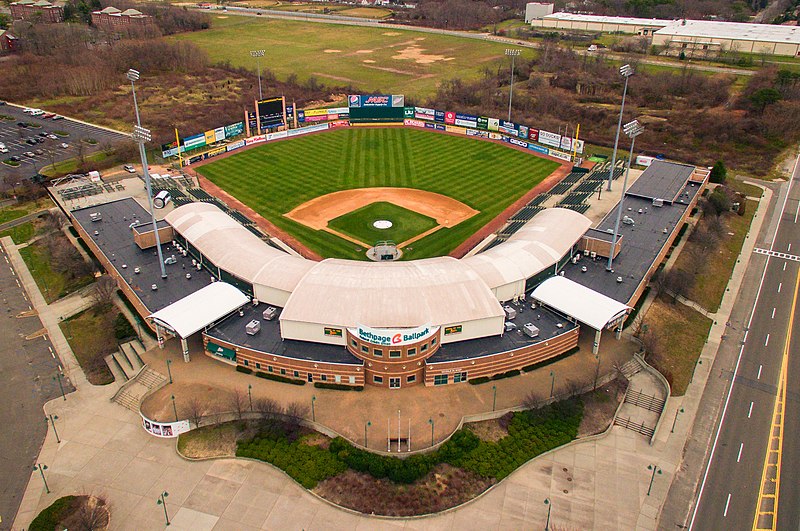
(90,514)
(54,221)
(678,282)
(296,410)
(237,401)
(650,342)
(194,409)
(267,407)
(532,400)
(104,290)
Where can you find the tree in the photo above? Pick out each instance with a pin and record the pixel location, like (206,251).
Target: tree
(195,410)
(718,173)
(267,407)
(238,403)
(764,97)
(720,200)
(104,290)
(5,20)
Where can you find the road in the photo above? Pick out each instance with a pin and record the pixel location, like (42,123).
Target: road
(28,367)
(730,486)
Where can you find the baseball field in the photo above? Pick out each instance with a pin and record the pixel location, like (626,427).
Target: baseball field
(325,189)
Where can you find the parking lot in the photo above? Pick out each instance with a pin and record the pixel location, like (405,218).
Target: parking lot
(35,154)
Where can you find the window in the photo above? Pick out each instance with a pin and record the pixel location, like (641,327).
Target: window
(246,363)
(352,379)
(258,365)
(354,343)
(364,349)
(378,352)
(324,377)
(377,379)
(394,354)
(296,374)
(460,377)
(424,348)
(440,379)
(433,342)
(411,379)
(337,378)
(310,377)
(283,372)
(411,352)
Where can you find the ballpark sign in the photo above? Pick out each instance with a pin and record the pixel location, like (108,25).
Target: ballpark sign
(376,100)
(394,337)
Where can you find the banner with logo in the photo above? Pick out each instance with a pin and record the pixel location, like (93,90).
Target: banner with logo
(560,155)
(255,139)
(408,112)
(423,113)
(393,337)
(533,134)
(450,118)
(517,142)
(483,123)
(439,116)
(549,139)
(193,142)
(493,124)
(455,129)
(233,130)
(523,131)
(235,145)
(376,100)
(538,149)
(481,134)
(466,120)
(414,123)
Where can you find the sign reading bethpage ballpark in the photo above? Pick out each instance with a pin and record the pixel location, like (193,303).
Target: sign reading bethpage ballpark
(393,337)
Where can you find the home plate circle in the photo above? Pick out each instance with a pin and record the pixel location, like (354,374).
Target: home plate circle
(382,224)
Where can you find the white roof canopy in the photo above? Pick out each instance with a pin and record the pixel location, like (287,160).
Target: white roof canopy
(200,309)
(585,305)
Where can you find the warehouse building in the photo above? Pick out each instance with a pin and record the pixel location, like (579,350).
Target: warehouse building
(706,37)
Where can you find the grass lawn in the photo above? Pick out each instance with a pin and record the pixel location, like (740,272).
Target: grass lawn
(70,165)
(405,223)
(10,213)
(676,358)
(218,440)
(53,284)
(393,61)
(711,282)
(748,190)
(20,233)
(91,338)
(274,178)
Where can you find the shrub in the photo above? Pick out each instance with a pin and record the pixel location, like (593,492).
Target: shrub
(338,387)
(481,380)
(48,519)
(308,465)
(718,173)
(279,378)
(242,368)
(507,374)
(122,328)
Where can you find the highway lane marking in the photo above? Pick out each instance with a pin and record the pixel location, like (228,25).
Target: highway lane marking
(766,514)
(780,285)
(797,211)
(727,503)
(777,254)
(750,411)
(773,314)
(759,372)
(789,250)
(766,341)
(739,457)
(784,266)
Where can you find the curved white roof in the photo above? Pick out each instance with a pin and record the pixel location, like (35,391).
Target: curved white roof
(532,249)
(391,295)
(235,249)
(582,303)
(200,309)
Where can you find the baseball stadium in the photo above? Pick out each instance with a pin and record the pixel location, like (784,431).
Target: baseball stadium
(388,249)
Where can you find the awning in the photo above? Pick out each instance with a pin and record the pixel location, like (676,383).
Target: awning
(579,302)
(200,309)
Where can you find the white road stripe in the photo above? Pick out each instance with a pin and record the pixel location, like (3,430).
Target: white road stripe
(784,266)
(739,457)
(750,411)
(759,372)
(797,211)
(766,341)
(773,314)
(780,285)
(727,503)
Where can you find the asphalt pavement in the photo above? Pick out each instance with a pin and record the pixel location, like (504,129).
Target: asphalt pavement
(28,365)
(15,138)
(730,487)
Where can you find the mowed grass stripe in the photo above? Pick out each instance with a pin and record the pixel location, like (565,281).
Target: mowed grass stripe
(275,178)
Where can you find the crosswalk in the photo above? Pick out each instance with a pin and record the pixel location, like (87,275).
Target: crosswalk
(777,254)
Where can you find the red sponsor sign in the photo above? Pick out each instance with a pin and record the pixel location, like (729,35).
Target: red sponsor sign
(450,118)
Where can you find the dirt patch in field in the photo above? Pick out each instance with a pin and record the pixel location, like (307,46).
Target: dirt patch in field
(417,54)
(365,51)
(367,61)
(391,33)
(491,430)
(318,212)
(332,51)
(336,78)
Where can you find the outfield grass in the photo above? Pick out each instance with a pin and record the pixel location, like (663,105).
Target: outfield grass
(368,58)
(359,223)
(275,178)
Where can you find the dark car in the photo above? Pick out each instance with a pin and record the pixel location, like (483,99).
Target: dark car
(22,124)
(44,133)
(31,141)
(15,158)
(40,139)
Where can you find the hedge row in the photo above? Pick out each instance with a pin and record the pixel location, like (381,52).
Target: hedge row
(338,387)
(484,379)
(242,368)
(308,465)
(279,378)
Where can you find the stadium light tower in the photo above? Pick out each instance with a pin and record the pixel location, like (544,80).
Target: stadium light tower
(625,71)
(142,135)
(632,129)
(511,53)
(258,54)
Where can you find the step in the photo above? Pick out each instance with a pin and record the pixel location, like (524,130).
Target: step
(150,378)
(630,368)
(639,399)
(124,364)
(116,370)
(133,355)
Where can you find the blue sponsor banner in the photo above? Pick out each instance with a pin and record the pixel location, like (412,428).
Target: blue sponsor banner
(466,120)
(430,126)
(516,142)
(523,131)
(538,149)
(438,116)
(508,128)
(301,116)
(374,100)
(235,145)
(233,130)
(441,127)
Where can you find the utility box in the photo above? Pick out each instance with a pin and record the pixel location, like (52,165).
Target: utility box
(510,327)
(530,330)
(95,216)
(253,327)
(270,313)
(161,199)
(511,313)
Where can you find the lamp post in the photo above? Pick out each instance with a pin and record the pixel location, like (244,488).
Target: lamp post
(258,54)
(175,409)
(60,385)
(691,378)
(596,369)
(169,371)
(162,500)
(142,135)
(52,419)
(366,426)
(250,395)
(656,470)
(552,383)
(678,412)
(494,397)
(513,53)
(313,414)
(625,71)
(549,508)
(632,129)
(430,421)
(41,468)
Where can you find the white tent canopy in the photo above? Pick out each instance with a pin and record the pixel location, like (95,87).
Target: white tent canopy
(583,304)
(200,309)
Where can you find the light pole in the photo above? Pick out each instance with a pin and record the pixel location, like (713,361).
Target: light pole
(513,53)
(258,54)
(691,378)
(597,369)
(430,421)
(366,426)
(313,414)
(250,395)
(60,385)
(656,470)
(162,500)
(53,419)
(552,383)
(41,468)
(169,371)
(494,397)
(142,135)
(549,507)
(678,412)
(625,71)
(175,409)
(632,129)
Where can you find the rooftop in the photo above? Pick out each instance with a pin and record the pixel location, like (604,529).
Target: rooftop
(662,180)
(602,19)
(732,30)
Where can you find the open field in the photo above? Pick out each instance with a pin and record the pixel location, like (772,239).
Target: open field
(369,59)
(275,178)
(405,223)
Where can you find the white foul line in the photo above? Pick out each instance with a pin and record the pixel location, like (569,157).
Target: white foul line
(780,285)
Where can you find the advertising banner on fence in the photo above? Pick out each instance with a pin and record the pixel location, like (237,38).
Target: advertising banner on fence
(304,130)
(414,123)
(483,123)
(455,129)
(466,120)
(517,142)
(167,150)
(210,137)
(275,136)
(235,145)
(549,139)
(560,155)
(408,112)
(450,118)
(214,152)
(523,131)
(423,113)
(255,139)
(438,116)
(495,136)
(233,130)
(339,123)
(473,132)
(493,124)
(219,134)
(376,100)
(509,128)
(193,142)
(165,429)
(538,149)
(533,134)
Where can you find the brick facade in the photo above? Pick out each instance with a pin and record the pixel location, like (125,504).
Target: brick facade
(40,11)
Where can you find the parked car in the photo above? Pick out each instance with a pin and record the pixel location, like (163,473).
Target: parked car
(48,115)
(58,117)
(39,140)
(128,168)
(37,112)
(43,133)
(22,124)
(64,145)
(39,152)
(27,110)
(31,141)
(3,149)
(29,154)
(51,136)
(14,158)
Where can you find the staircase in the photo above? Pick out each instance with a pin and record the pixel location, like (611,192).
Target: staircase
(126,362)
(630,368)
(130,395)
(651,403)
